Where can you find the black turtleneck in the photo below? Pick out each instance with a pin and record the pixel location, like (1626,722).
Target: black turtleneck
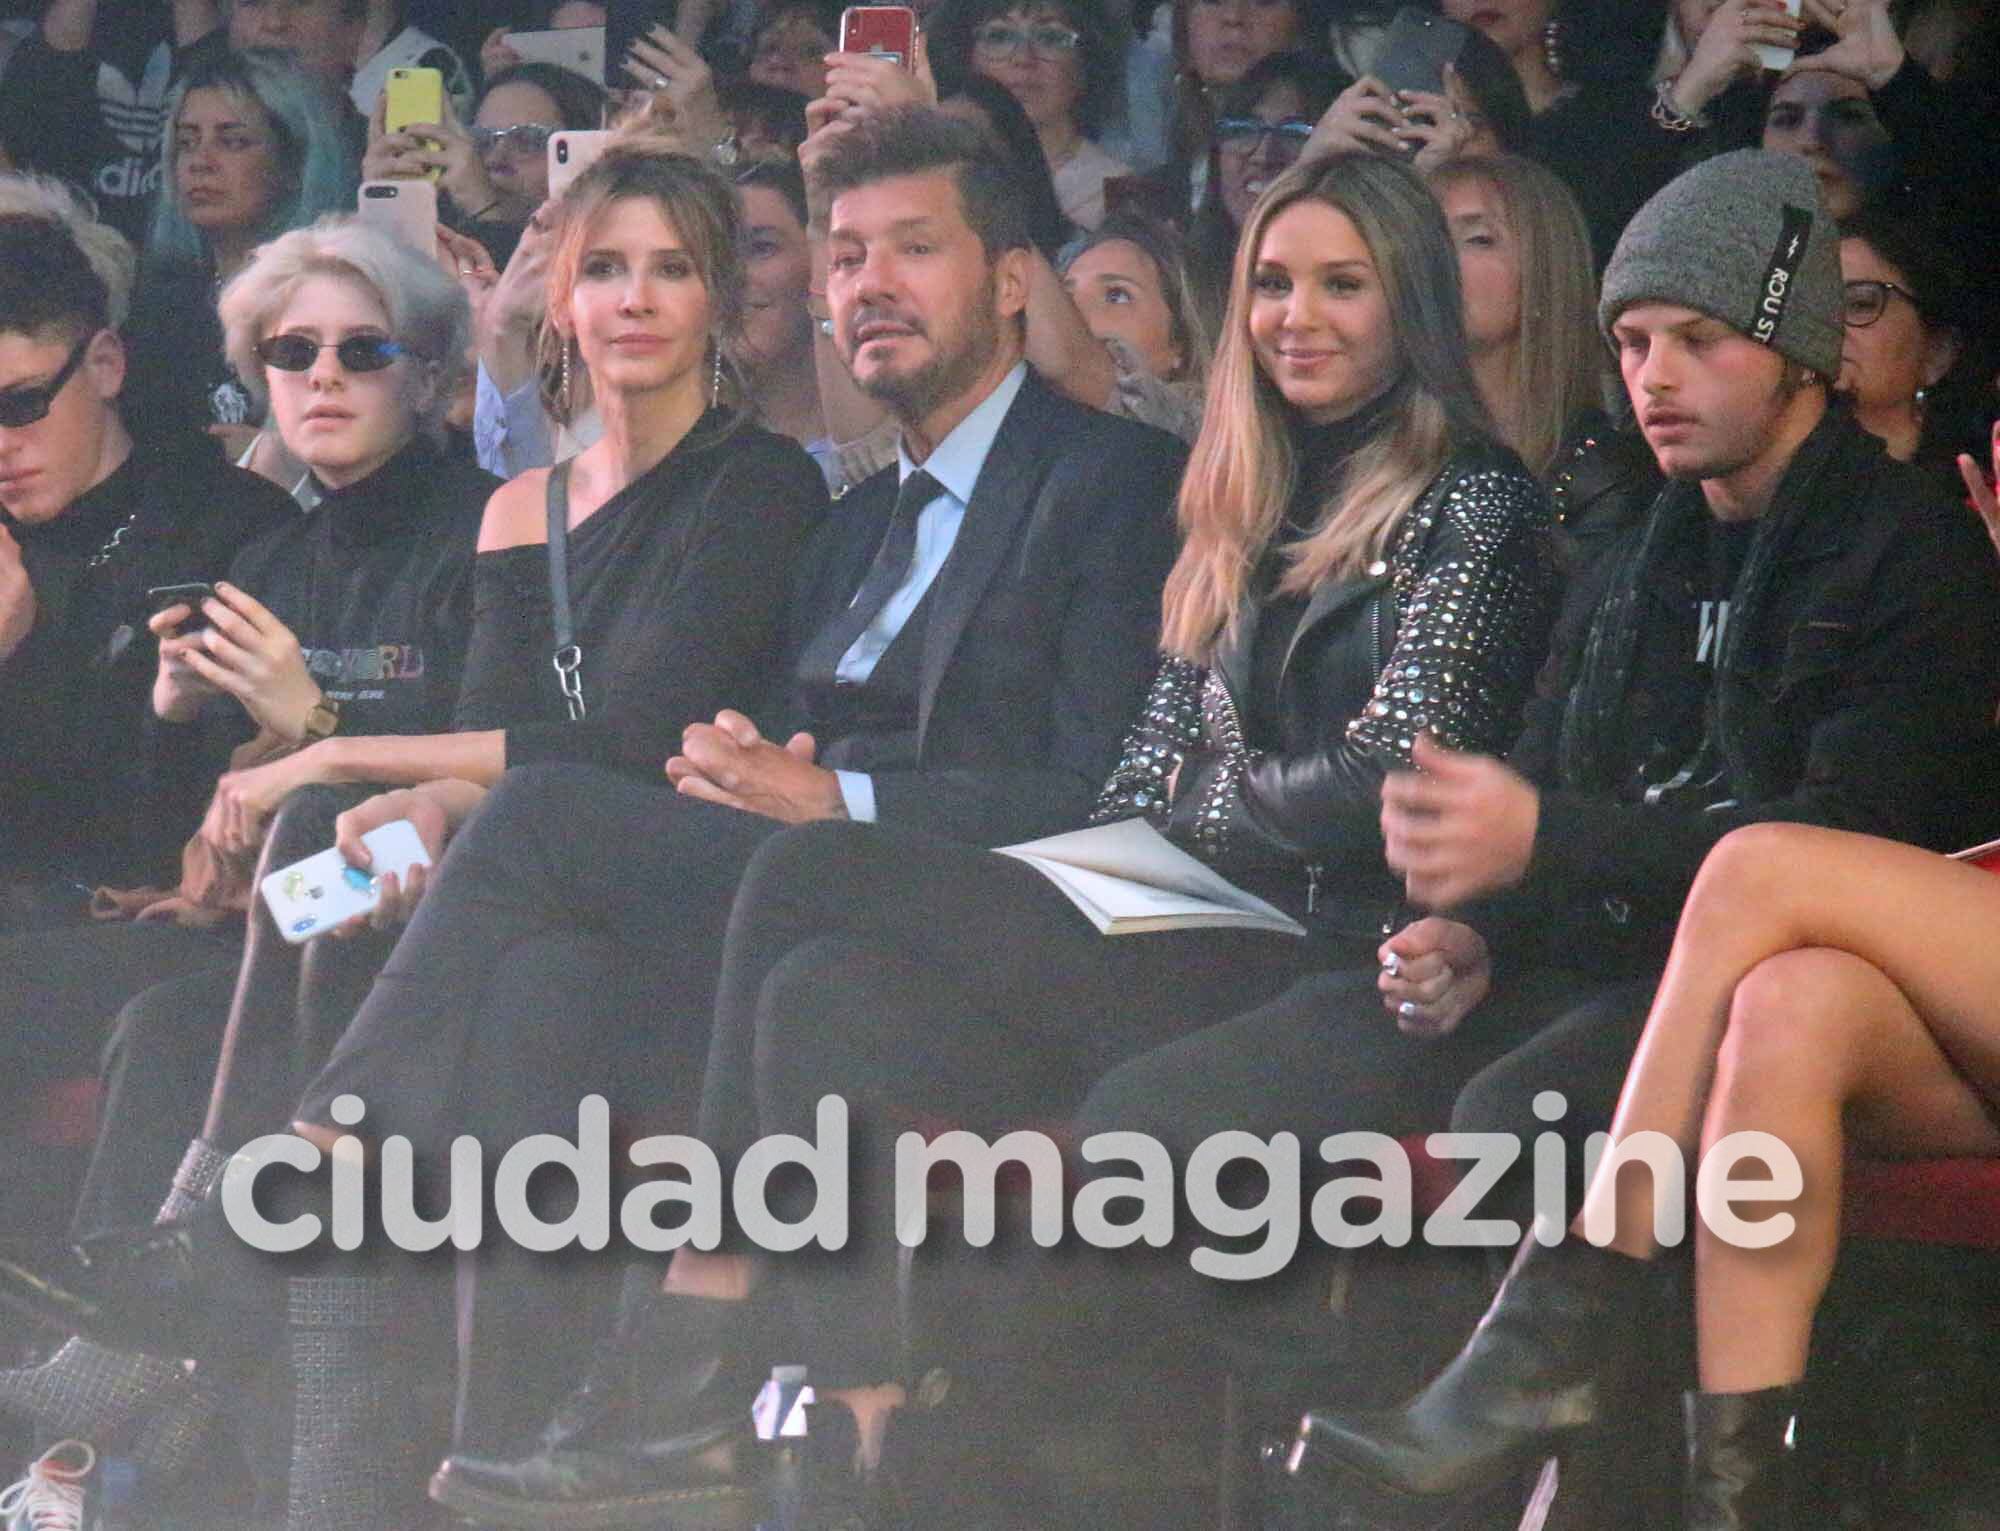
(377,584)
(1322,453)
(87,795)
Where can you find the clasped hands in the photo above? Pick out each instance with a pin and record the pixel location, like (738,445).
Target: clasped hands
(731,763)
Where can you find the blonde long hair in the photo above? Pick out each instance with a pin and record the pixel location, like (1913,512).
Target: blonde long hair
(1244,469)
(1559,366)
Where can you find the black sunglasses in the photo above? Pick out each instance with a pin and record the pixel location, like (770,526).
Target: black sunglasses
(357,353)
(24,406)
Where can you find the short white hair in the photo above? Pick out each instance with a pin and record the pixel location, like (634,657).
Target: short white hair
(427,311)
(24,194)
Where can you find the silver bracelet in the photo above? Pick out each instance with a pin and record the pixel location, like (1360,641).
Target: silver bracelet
(1670,116)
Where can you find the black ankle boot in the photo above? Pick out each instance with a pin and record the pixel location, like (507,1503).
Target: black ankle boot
(185,1288)
(652,1432)
(1560,1332)
(1742,1472)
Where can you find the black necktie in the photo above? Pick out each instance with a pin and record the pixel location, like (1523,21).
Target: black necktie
(823,654)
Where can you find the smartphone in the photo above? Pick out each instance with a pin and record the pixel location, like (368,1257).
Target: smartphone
(405,210)
(625,22)
(1143,197)
(323,891)
(1779,58)
(571,153)
(191,594)
(1415,50)
(580,50)
(886,31)
(413,96)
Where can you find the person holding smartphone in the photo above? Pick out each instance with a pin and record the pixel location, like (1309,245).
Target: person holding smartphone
(90,520)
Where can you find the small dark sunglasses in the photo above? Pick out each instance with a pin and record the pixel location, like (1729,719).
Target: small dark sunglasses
(24,406)
(357,353)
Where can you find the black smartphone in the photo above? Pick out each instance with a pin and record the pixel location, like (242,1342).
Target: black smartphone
(625,22)
(191,594)
(1416,48)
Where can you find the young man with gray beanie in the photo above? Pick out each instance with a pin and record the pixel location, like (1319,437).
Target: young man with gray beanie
(1798,629)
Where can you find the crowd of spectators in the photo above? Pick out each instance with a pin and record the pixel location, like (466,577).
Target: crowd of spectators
(1456,514)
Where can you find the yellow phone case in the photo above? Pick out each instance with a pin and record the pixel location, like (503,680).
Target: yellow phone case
(413,95)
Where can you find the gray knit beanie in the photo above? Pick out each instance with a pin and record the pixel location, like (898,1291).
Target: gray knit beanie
(1742,237)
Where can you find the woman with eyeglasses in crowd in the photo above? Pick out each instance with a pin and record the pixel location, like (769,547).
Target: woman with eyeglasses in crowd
(1911,343)
(1215,43)
(1063,60)
(252,148)
(1263,121)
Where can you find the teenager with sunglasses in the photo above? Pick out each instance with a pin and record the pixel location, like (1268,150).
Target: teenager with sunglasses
(89,522)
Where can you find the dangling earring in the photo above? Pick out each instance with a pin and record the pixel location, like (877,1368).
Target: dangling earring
(715,381)
(563,396)
(1923,396)
(1552,47)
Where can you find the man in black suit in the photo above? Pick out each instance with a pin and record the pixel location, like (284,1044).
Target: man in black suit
(972,633)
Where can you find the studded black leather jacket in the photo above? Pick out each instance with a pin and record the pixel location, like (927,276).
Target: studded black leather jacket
(1446,634)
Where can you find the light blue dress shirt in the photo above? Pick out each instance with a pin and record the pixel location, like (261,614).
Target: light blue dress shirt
(956,463)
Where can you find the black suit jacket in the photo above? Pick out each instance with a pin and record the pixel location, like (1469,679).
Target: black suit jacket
(1044,620)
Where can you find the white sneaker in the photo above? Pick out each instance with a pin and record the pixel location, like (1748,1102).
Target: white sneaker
(50,1498)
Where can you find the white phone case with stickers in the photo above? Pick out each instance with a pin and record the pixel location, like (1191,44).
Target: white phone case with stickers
(323,891)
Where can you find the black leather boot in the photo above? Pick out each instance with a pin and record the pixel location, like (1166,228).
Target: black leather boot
(1742,1472)
(653,1433)
(97,1394)
(1561,1332)
(186,1288)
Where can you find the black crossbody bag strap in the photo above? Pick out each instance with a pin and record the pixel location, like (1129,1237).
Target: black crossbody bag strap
(568,657)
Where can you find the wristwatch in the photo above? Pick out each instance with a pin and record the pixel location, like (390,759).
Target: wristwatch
(322,718)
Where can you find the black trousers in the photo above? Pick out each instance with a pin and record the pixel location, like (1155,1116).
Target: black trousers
(930,984)
(569,946)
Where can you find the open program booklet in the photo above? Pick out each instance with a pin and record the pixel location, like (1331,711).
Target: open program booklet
(1129,879)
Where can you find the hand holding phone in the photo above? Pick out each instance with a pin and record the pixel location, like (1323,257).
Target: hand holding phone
(882,31)
(1775,57)
(190,594)
(325,890)
(414,98)
(571,153)
(1415,50)
(405,210)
